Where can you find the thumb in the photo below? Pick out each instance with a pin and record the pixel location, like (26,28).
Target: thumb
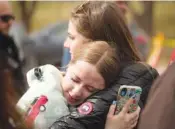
(112,109)
(127,106)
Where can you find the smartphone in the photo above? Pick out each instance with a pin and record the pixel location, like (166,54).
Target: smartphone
(124,94)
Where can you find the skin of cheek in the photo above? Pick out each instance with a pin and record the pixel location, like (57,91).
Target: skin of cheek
(4,27)
(75,46)
(68,86)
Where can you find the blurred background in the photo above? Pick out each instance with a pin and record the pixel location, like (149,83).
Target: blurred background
(42,29)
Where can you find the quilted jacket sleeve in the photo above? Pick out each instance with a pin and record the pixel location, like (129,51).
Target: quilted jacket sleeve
(137,74)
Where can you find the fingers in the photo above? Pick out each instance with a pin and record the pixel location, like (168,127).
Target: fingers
(137,113)
(112,109)
(127,106)
(133,117)
(134,124)
(138,110)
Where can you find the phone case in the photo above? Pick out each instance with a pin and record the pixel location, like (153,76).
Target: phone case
(124,94)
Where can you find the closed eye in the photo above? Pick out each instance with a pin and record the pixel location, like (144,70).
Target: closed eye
(75,80)
(91,89)
(70,36)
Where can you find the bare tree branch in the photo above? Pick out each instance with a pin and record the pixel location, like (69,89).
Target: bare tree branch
(26,12)
(33,8)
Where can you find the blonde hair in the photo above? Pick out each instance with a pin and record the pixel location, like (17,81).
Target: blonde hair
(103,56)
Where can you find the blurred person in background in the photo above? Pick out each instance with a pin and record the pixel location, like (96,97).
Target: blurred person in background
(8,47)
(9,116)
(159,112)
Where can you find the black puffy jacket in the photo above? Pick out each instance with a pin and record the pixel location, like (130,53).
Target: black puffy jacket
(138,74)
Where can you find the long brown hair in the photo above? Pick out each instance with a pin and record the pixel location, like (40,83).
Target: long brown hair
(102,56)
(104,21)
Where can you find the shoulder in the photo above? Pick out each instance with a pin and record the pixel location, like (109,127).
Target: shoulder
(139,68)
(138,73)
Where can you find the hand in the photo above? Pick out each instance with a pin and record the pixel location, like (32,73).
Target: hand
(123,120)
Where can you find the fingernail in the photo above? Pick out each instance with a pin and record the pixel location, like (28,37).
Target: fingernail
(114,102)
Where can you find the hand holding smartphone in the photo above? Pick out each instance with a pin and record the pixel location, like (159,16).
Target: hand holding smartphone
(124,94)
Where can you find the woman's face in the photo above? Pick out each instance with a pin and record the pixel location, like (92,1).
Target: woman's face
(81,80)
(74,40)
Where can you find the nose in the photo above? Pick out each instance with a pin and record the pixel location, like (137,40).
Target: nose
(77,92)
(66,44)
